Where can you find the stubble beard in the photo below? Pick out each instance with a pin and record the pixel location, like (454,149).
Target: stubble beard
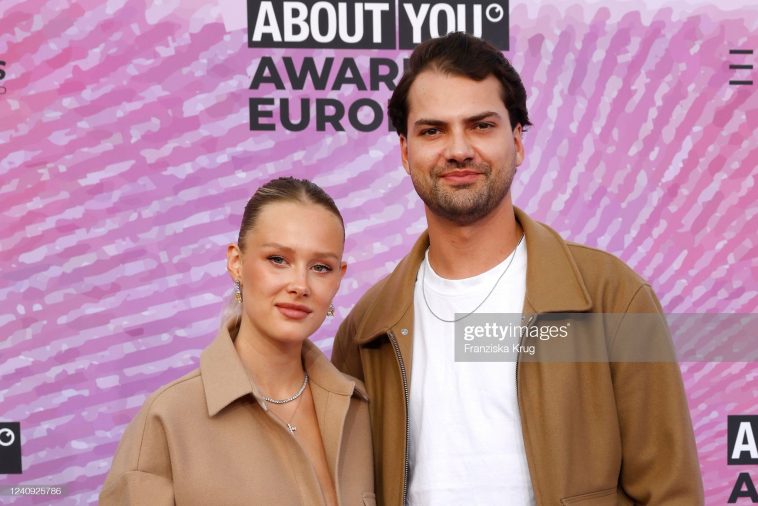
(464,204)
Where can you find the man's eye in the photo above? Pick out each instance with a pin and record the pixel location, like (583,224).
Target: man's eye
(322,268)
(276,259)
(484,126)
(430,131)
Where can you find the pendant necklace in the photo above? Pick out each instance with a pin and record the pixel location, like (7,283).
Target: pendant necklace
(290,427)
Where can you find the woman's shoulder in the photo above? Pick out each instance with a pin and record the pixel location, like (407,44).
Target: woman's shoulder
(144,441)
(176,397)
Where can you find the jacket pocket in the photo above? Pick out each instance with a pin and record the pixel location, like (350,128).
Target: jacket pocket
(605,497)
(369,499)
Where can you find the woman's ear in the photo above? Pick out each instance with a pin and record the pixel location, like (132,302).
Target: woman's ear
(234,262)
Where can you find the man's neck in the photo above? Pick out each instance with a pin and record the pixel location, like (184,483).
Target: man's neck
(463,251)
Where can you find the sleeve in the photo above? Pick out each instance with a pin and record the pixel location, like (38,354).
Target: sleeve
(141,470)
(345,353)
(659,457)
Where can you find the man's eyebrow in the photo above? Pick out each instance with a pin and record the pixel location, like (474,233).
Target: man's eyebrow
(484,115)
(470,119)
(428,122)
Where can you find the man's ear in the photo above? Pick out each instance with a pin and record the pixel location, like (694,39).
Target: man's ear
(404,153)
(518,144)
(234,262)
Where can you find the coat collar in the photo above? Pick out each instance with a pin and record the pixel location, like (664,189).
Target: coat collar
(225,379)
(553,281)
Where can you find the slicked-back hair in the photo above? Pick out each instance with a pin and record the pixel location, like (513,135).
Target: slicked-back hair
(284,189)
(460,54)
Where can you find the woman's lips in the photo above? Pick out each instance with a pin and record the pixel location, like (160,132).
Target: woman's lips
(294,311)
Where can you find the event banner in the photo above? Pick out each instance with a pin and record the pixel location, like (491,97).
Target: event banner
(133,132)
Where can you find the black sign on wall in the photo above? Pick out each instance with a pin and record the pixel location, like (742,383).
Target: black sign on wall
(741,440)
(420,20)
(321,24)
(380,24)
(10,448)
(3,90)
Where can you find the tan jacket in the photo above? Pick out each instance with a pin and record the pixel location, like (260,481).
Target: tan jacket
(596,434)
(207,439)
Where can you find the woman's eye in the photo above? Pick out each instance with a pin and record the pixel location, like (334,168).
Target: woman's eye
(276,259)
(322,268)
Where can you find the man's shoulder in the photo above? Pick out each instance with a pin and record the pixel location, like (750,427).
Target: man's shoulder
(611,283)
(601,263)
(556,254)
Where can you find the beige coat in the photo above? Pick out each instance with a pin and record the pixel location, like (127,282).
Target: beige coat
(208,438)
(595,433)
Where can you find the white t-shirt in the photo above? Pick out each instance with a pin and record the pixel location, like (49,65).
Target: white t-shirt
(466,445)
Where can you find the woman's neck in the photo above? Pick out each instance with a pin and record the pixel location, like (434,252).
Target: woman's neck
(275,367)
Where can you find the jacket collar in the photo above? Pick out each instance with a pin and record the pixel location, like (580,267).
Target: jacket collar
(225,379)
(553,281)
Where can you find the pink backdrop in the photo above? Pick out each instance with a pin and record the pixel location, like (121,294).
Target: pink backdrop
(126,160)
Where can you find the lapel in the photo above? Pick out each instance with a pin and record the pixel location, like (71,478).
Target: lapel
(332,392)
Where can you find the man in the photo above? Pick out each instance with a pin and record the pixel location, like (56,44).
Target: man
(527,432)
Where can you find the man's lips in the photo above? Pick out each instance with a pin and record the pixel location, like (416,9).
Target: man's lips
(294,311)
(461,176)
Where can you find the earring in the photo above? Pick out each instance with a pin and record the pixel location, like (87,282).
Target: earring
(238,292)
(330,311)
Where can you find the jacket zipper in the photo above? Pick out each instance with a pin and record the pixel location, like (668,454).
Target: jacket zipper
(529,323)
(404,377)
(518,356)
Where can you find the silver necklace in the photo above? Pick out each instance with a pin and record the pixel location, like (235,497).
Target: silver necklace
(292,397)
(290,427)
(423,288)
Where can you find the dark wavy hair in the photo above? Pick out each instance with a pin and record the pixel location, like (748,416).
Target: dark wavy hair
(460,54)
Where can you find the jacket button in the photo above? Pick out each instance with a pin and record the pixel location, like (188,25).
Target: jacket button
(404,332)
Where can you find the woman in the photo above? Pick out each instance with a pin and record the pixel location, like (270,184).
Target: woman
(266,419)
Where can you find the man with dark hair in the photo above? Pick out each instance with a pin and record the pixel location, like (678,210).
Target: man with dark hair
(523,432)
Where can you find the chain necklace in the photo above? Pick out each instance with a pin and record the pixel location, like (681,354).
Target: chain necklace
(423,288)
(290,426)
(292,397)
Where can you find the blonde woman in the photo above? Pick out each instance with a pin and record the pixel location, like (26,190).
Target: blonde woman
(266,419)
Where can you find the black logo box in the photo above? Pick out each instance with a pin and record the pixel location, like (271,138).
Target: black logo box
(746,427)
(10,448)
(267,22)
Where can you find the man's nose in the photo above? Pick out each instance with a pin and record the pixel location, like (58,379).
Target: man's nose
(459,148)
